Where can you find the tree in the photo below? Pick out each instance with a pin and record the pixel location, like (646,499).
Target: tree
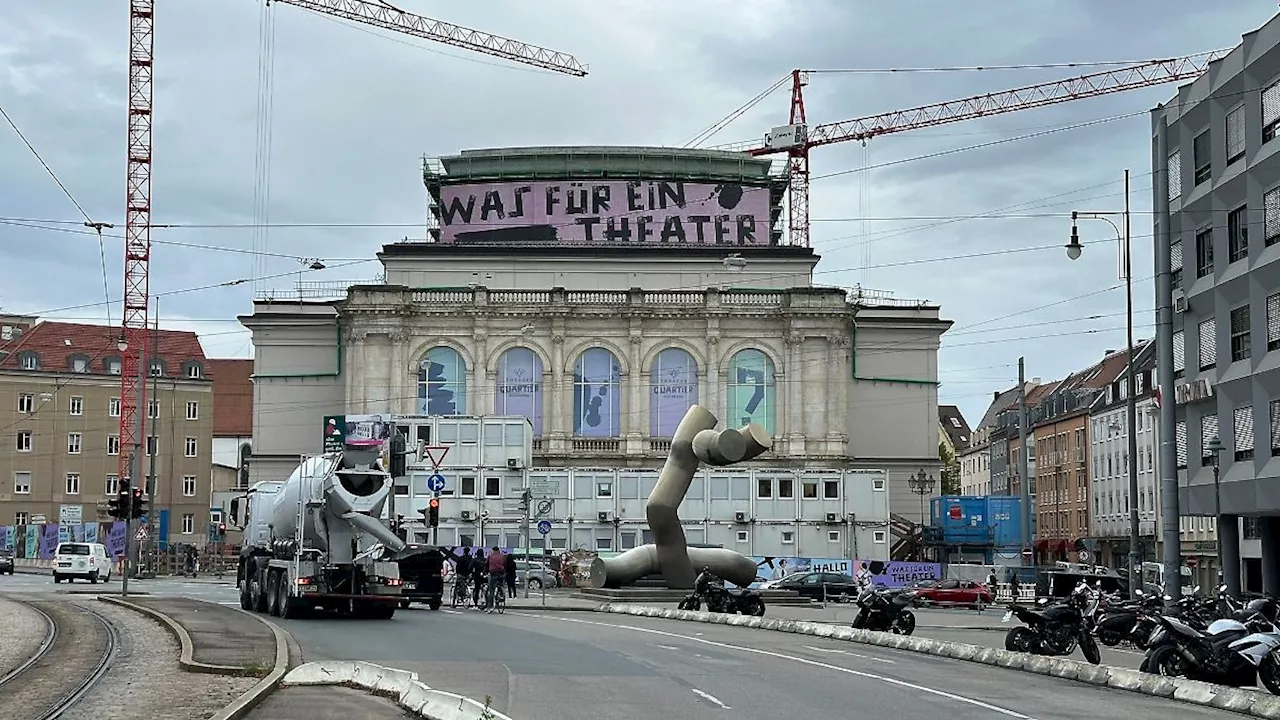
(950,470)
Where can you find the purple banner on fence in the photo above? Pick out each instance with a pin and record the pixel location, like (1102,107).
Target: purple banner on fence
(48,541)
(116,537)
(893,573)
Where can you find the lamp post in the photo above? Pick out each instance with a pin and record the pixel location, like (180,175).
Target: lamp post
(921,484)
(1214,448)
(1125,240)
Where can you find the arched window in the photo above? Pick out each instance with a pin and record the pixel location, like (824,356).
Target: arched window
(597,391)
(750,390)
(442,383)
(673,380)
(519,386)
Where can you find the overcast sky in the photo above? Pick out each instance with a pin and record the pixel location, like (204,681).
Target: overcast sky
(353,112)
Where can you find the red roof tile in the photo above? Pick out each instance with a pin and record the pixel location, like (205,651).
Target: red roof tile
(232,397)
(57,344)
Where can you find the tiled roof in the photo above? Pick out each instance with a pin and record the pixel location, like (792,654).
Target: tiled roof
(232,397)
(955,426)
(57,345)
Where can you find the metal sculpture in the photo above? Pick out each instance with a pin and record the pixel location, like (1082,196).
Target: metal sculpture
(696,440)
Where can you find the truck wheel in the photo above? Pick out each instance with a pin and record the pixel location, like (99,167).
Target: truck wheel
(246,599)
(434,604)
(273,593)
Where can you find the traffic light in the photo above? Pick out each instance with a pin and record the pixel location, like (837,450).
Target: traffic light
(398,460)
(433,512)
(139,503)
(118,506)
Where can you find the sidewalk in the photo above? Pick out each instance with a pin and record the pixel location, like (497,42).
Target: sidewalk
(843,614)
(219,635)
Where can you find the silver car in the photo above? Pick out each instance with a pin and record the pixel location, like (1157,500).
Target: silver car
(540,576)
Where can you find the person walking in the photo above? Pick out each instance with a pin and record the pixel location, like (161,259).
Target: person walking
(479,571)
(509,570)
(497,565)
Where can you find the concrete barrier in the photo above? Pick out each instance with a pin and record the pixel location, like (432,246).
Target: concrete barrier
(401,685)
(1240,700)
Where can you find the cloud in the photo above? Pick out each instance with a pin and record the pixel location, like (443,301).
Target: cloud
(353,112)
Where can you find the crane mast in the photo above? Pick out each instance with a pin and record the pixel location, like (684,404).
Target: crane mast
(797,139)
(134,340)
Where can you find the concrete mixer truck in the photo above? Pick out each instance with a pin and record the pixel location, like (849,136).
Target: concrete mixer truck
(316,540)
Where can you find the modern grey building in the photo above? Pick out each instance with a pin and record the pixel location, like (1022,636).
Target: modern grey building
(1224,229)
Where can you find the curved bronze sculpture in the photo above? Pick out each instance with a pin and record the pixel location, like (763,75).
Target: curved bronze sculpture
(695,440)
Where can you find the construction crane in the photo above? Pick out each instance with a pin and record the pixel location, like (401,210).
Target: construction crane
(796,139)
(134,342)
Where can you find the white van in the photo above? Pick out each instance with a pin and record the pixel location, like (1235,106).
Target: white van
(81,560)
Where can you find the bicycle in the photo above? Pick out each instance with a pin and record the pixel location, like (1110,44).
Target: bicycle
(461,592)
(500,599)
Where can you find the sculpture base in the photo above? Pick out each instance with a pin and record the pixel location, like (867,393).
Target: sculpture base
(652,595)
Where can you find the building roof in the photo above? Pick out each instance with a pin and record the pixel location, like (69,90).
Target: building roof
(955,426)
(58,345)
(232,397)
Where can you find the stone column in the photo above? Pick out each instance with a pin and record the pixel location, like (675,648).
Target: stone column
(559,406)
(479,398)
(635,413)
(356,369)
(401,394)
(1229,551)
(839,379)
(792,395)
(712,393)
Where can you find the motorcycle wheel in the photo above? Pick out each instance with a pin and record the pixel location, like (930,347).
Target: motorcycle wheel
(905,623)
(860,622)
(1110,639)
(1166,661)
(1269,674)
(754,607)
(1020,639)
(1089,648)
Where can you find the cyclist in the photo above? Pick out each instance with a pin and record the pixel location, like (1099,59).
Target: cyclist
(462,571)
(497,566)
(479,573)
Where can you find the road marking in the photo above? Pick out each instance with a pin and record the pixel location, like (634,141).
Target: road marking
(668,647)
(453,612)
(803,661)
(230,602)
(710,698)
(851,654)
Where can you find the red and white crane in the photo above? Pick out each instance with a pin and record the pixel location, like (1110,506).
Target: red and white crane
(797,138)
(134,338)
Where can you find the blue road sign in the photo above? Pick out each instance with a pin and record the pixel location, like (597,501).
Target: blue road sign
(544,526)
(435,483)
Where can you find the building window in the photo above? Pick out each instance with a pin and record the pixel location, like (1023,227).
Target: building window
(76,405)
(833,536)
(750,390)
(519,386)
(193,371)
(1271,217)
(831,489)
(1270,112)
(1202,157)
(23,443)
(597,390)
(1240,338)
(153,445)
(604,489)
(79,364)
(1175,263)
(764,488)
(74,443)
(113,444)
(113,366)
(191,447)
(442,382)
(1275,427)
(1208,431)
(744,536)
(153,408)
(786,488)
(1242,425)
(674,382)
(193,410)
(22,483)
(788,537)
(188,523)
(1235,135)
(156,369)
(73,483)
(467,487)
(493,487)
(113,407)
(1175,174)
(1237,234)
(878,537)
(1273,321)
(189,485)
(1208,343)
(1180,443)
(113,485)
(1204,252)
(26,403)
(809,490)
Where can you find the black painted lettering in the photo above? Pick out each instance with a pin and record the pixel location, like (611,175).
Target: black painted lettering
(644,228)
(722,229)
(518,201)
(699,221)
(672,193)
(576,204)
(618,229)
(633,196)
(599,199)
(746,229)
(553,199)
(673,229)
(653,195)
(492,206)
(588,225)
(456,208)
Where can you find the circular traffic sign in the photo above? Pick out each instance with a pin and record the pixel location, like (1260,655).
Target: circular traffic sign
(1084,556)
(1028,553)
(435,483)
(544,526)
(1192,562)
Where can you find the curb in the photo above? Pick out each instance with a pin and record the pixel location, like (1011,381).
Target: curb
(401,685)
(1194,692)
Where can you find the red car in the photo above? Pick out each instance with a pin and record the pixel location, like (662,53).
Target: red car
(952,592)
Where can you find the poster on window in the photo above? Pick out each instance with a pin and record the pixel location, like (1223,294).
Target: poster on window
(596,385)
(674,387)
(442,383)
(750,390)
(368,431)
(519,386)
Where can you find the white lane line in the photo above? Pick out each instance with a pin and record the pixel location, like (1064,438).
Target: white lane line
(668,647)
(850,654)
(803,661)
(453,612)
(233,602)
(710,698)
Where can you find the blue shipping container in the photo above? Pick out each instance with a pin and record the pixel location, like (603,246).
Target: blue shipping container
(979,521)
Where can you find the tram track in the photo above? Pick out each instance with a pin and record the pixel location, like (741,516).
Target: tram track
(79,648)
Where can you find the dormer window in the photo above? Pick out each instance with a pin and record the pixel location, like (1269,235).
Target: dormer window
(192,370)
(112,365)
(157,368)
(78,363)
(29,360)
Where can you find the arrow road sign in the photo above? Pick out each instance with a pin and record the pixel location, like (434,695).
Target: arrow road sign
(544,526)
(435,483)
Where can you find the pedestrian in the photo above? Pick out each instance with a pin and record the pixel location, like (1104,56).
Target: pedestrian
(510,571)
(993,585)
(479,571)
(1013,586)
(497,565)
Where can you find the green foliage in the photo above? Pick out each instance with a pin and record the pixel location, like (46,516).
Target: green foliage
(950,470)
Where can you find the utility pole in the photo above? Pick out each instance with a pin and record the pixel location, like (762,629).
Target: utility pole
(128,527)
(525,504)
(150,486)
(1135,539)
(1170,512)
(1024,464)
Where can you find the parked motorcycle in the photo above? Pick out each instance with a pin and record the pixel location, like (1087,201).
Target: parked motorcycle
(886,610)
(1127,621)
(1056,629)
(1237,650)
(719,599)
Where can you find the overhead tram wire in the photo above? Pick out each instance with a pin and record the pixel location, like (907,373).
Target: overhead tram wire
(709,132)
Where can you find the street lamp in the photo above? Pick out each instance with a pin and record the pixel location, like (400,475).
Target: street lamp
(1074,250)
(921,484)
(1214,448)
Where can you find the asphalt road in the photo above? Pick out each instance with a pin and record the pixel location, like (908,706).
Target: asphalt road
(575,666)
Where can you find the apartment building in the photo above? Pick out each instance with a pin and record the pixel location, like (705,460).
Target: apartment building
(232,436)
(60,408)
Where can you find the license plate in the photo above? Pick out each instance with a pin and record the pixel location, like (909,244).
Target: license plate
(410,586)
(1008,616)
